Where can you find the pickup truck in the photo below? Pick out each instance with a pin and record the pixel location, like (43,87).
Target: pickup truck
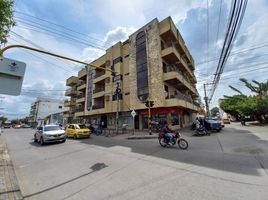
(213,125)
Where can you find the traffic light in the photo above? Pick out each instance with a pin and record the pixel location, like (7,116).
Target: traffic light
(149,104)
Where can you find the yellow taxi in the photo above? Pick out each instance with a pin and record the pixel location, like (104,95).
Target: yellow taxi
(77,131)
(226,121)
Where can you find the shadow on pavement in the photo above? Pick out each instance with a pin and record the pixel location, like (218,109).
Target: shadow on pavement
(232,150)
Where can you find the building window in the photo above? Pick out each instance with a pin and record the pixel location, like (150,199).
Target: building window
(111,120)
(60,107)
(175,119)
(142,68)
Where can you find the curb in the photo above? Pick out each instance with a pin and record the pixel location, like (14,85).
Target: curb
(142,137)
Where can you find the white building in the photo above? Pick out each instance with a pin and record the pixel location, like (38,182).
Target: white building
(43,107)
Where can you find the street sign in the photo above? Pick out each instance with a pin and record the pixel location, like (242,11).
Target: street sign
(11,76)
(133,113)
(117,78)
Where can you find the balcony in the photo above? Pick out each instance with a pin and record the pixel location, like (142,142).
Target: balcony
(82,74)
(99,89)
(82,87)
(79,112)
(68,114)
(80,99)
(95,107)
(177,79)
(168,31)
(73,80)
(69,103)
(181,100)
(100,78)
(71,92)
(171,55)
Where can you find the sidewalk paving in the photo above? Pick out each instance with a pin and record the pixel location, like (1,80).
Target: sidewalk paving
(145,134)
(9,188)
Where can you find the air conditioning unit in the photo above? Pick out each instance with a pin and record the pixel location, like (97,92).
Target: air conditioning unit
(107,97)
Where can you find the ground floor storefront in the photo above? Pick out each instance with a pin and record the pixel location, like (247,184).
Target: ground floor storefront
(175,117)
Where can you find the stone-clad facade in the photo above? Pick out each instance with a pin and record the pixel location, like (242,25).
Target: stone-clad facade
(155,57)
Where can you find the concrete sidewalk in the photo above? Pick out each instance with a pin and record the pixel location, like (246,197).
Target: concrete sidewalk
(145,134)
(9,188)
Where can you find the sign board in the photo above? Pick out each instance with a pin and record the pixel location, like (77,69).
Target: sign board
(11,76)
(117,78)
(133,113)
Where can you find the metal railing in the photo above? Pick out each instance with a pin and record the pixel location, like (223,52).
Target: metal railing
(98,89)
(181,96)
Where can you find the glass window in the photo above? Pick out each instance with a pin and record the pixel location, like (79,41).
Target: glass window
(142,68)
(175,119)
(52,128)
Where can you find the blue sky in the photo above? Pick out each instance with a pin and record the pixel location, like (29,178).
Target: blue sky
(101,23)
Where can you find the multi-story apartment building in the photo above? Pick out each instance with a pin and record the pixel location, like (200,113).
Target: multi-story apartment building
(153,63)
(43,107)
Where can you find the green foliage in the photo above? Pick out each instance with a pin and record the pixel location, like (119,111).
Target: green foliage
(2,119)
(214,111)
(241,104)
(6,19)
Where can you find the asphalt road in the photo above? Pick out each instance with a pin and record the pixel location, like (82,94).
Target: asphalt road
(232,164)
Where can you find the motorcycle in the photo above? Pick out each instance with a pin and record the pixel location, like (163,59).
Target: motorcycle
(176,139)
(201,131)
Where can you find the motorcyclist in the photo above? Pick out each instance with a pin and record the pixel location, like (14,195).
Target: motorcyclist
(168,132)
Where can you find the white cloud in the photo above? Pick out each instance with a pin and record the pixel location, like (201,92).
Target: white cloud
(118,34)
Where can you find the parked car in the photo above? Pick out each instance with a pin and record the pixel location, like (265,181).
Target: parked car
(7,125)
(226,121)
(213,124)
(49,133)
(77,131)
(17,126)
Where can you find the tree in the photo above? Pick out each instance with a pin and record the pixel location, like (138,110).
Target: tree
(6,19)
(214,111)
(2,119)
(241,104)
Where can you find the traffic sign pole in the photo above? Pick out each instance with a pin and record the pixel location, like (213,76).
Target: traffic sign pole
(133,113)
(149,116)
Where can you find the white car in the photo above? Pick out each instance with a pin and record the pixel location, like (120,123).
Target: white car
(49,133)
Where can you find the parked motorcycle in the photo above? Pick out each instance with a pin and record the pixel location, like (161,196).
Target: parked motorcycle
(176,139)
(201,131)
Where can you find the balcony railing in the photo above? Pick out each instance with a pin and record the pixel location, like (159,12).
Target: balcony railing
(181,96)
(99,74)
(98,89)
(79,110)
(173,68)
(94,107)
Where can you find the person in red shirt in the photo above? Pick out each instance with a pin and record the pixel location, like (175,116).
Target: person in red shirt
(168,132)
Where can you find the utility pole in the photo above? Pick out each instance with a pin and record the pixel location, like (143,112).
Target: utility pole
(117,95)
(206,101)
(149,104)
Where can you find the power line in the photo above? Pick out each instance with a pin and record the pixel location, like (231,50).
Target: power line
(59,25)
(218,29)
(265,44)
(243,72)
(36,45)
(43,58)
(65,35)
(235,20)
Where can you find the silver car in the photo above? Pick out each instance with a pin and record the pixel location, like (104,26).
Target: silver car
(49,133)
